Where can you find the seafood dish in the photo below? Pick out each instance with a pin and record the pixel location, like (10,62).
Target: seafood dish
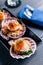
(22,47)
(3,15)
(12,28)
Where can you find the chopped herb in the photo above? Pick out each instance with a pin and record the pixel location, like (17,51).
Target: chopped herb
(20,21)
(0,9)
(26,53)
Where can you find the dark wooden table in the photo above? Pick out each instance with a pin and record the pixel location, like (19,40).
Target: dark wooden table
(37,58)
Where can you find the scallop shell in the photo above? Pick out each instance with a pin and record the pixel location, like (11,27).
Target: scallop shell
(6,37)
(23,56)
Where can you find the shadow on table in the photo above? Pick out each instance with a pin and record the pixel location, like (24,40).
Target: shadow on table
(25,61)
(29,23)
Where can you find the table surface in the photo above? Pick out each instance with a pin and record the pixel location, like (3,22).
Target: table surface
(37,58)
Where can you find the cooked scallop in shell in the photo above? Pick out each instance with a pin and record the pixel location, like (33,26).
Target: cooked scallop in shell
(13,25)
(12,28)
(22,47)
(3,15)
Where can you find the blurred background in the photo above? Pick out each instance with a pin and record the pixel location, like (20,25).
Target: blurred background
(33,3)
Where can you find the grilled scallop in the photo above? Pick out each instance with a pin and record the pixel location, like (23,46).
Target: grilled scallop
(13,28)
(22,46)
(3,15)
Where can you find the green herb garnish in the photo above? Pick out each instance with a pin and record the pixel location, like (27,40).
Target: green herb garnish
(26,53)
(0,10)
(20,21)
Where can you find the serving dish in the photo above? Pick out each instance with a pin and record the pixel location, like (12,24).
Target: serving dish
(27,33)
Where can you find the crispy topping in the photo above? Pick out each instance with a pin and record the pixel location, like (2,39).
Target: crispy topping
(14,26)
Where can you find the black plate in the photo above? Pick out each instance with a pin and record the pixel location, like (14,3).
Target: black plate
(28,33)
